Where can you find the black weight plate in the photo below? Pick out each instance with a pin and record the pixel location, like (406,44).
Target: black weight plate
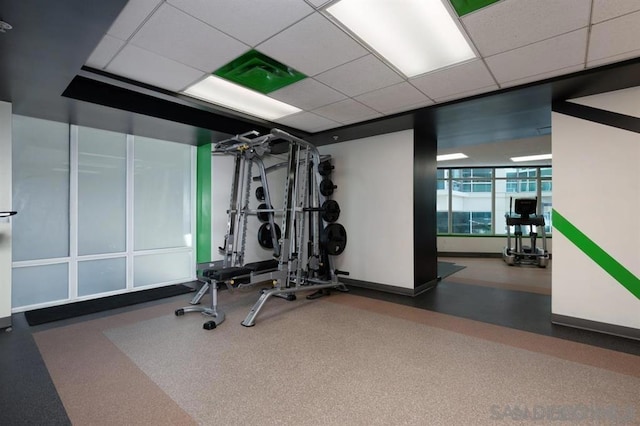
(260,193)
(325,168)
(327,187)
(264,235)
(330,211)
(263,216)
(334,239)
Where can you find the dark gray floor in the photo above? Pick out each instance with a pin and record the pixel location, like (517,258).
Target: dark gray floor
(27,394)
(514,309)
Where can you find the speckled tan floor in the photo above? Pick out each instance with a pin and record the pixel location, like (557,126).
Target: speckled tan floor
(337,360)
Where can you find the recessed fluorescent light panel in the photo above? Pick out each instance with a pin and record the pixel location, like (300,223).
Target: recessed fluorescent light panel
(532,158)
(222,92)
(446,157)
(415,36)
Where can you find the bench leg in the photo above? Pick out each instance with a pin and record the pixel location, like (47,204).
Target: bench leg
(200,293)
(211,311)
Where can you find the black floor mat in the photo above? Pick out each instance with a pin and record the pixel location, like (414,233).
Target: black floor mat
(56,313)
(447,268)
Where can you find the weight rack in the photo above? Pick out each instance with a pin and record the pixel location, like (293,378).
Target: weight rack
(298,250)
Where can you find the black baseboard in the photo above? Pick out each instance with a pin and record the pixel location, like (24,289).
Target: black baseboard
(389,288)
(5,322)
(71,310)
(425,287)
(601,327)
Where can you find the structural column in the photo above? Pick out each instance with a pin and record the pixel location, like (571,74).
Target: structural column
(425,253)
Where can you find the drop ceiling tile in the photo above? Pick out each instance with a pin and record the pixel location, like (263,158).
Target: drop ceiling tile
(543,57)
(607,9)
(511,24)
(396,98)
(308,122)
(104,52)
(615,58)
(190,41)
(360,76)
(461,78)
(312,46)
(347,111)
(544,76)
(307,94)
(616,37)
(469,93)
(238,18)
(131,17)
(147,67)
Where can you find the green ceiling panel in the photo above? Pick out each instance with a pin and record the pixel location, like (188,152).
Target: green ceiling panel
(467,6)
(259,72)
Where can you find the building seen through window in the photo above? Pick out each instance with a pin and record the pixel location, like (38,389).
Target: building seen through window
(475,200)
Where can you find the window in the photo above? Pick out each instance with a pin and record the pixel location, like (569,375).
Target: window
(443,222)
(100,213)
(441,179)
(471,180)
(40,189)
(475,201)
(102,185)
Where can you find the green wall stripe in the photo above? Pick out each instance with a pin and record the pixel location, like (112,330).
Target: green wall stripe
(597,254)
(203,204)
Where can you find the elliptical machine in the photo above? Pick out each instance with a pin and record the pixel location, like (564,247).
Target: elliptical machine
(525,215)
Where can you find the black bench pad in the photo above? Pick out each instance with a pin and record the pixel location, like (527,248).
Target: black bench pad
(226,273)
(262,265)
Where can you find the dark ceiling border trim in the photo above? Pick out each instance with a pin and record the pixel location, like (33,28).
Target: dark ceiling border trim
(164,106)
(97,92)
(597,115)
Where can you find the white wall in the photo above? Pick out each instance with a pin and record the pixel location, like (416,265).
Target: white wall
(221,178)
(596,187)
(5,204)
(375,192)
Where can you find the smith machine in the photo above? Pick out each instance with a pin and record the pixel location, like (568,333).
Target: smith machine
(303,246)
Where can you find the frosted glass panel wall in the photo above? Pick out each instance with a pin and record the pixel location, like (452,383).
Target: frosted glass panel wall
(99,276)
(40,189)
(162,194)
(102,185)
(162,268)
(39,284)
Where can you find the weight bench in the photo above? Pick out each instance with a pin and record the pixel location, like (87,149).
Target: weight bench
(211,278)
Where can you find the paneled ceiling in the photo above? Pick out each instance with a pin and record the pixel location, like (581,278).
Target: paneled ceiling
(147,51)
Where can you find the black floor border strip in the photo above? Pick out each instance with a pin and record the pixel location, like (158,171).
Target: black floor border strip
(518,310)
(28,394)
